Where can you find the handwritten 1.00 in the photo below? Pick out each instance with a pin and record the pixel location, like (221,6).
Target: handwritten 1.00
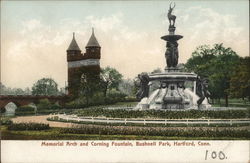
(215,155)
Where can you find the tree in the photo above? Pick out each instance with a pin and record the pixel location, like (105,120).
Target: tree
(110,79)
(240,80)
(2,89)
(200,62)
(27,91)
(18,91)
(13,91)
(90,85)
(216,64)
(45,86)
(43,104)
(157,70)
(126,86)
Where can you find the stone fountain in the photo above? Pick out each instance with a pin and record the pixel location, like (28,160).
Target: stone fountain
(173,89)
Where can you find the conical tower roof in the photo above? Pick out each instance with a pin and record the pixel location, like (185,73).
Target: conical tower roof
(73,45)
(93,41)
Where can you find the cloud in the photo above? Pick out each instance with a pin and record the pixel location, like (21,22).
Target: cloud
(201,25)
(105,23)
(39,49)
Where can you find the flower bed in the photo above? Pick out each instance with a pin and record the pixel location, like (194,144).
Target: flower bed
(126,113)
(157,131)
(28,126)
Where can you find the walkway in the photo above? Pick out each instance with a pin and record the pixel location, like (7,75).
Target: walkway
(41,119)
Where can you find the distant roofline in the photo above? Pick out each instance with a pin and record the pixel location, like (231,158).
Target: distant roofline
(73,45)
(92,40)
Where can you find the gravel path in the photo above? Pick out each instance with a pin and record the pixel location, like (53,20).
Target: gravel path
(41,119)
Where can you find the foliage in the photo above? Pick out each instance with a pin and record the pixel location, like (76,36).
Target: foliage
(116,96)
(73,104)
(156,131)
(6,121)
(3,110)
(97,99)
(96,90)
(45,104)
(112,76)
(126,86)
(28,126)
(45,86)
(125,113)
(200,61)
(55,106)
(89,87)
(24,113)
(110,79)
(25,108)
(13,91)
(216,64)
(157,70)
(240,80)
(61,134)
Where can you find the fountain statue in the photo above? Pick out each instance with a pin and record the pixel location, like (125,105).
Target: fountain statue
(172,89)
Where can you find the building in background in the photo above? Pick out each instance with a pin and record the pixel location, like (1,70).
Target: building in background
(82,65)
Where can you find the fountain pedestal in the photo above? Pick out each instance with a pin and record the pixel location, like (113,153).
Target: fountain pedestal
(172,91)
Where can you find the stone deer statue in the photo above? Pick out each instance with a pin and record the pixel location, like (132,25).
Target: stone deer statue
(170,16)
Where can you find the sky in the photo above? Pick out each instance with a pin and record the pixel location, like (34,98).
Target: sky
(36,34)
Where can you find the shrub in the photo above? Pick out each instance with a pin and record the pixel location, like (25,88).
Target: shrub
(116,96)
(131,99)
(28,126)
(25,108)
(6,121)
(24,113)
(55,106)
(97,99)
(166,114)
(74,104)
(154,131)
(3,110)
(43,104)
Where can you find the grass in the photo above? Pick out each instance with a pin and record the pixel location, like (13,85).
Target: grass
(55,134)
(232,103)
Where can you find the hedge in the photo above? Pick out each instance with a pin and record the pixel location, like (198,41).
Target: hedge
(6,121)
(154,131)
(125,113)
(25,108)
(28,126)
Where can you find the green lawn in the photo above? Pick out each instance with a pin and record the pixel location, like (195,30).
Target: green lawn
(232,103)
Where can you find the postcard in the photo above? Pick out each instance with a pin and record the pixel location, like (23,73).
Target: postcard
(125,81)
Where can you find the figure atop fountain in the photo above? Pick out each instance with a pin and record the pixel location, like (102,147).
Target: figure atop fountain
(172,53)
(171,19)
(170,16)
